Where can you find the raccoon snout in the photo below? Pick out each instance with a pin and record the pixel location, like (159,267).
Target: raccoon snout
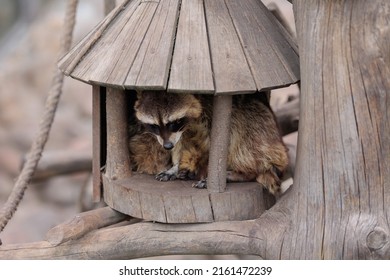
(168,145)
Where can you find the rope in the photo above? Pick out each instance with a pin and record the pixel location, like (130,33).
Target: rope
(40,140)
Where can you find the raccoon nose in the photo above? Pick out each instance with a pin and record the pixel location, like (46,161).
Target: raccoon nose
(168,145)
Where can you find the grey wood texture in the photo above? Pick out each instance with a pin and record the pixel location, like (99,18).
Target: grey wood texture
(178,202)
(191,65)
(209,46)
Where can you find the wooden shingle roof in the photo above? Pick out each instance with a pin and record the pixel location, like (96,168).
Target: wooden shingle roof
(197,46)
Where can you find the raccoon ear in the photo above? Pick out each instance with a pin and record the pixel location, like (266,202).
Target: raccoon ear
(137,102)
(195,109)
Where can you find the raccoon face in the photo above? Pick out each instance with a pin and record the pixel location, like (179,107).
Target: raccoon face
(168,134)
(166,114)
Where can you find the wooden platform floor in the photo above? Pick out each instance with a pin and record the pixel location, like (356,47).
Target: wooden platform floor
(143,197)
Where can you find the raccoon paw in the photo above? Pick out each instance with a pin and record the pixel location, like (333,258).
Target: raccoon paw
(168,175)
(165,176)
(202,184)
(185,174)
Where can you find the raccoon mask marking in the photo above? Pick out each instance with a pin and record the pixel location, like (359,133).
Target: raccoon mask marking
(166,115)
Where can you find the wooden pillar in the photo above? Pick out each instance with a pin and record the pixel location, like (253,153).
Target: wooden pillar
(98,140)
(118,159)
(220,137)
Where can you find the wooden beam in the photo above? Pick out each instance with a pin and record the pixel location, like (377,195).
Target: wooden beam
(83,223)
(98,139)
(118,158)
(219,146)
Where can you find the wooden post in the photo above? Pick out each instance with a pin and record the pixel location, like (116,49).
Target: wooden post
(118,159)
(98,140)
(220,137)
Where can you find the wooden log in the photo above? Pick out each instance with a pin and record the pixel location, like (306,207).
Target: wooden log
(134,241)
(83,223)
(99,135)
(118,158)
(219,146)
(62,163)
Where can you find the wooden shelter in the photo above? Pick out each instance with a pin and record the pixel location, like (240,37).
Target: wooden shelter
(187,46)
(338,207)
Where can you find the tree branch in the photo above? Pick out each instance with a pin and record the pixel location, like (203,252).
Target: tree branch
(145,239)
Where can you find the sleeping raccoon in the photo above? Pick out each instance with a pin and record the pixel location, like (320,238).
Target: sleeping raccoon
(181,124)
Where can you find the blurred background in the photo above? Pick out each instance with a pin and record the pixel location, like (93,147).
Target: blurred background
(29,43)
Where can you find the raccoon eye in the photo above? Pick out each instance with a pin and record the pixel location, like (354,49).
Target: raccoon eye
(176,125)
(154,128)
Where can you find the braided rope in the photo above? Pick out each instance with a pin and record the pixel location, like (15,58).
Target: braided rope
(40,140)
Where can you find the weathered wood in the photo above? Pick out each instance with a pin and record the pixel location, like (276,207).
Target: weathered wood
(191,65)
(82,224)
(130,33)
(216,50)
(98,139)
(118,158)
(62,163)
(230,67)
(341,185)
(339,204)
(271,58)
(152,64)
(178,202)
(146,240)
(71,60)
(219,143)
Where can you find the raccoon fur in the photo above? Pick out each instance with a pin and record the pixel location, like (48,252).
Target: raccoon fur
(181,124)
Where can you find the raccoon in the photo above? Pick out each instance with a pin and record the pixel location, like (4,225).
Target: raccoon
(181,124)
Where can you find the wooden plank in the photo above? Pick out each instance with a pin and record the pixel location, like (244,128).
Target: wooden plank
(191,64)
(122,198)
(231,70)
(128,43)
(153,208)
(105,52)
(222,206)
(143,197)
(273,61)
(71,60)
(202,208)
(150,69)
(179,209)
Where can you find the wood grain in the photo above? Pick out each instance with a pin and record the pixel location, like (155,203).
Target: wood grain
(232,74)
(118,158)
(143,197)
(272,60)
(191,65)
(151,66)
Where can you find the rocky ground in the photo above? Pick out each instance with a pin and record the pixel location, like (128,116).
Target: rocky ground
(27,62)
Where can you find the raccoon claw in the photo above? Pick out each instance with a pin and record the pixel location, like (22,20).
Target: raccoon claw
(165,176)
(202,184)
(185,174)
